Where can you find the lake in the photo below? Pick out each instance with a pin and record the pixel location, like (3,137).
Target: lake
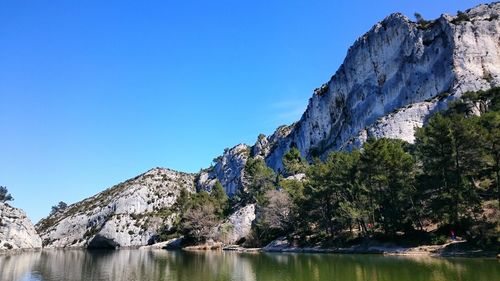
(153,265)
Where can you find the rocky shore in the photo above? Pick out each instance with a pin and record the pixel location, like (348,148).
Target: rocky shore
(450,249)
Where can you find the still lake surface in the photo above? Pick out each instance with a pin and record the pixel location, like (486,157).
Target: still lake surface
(154,265)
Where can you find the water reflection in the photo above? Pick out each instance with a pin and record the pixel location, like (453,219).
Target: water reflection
(57,265)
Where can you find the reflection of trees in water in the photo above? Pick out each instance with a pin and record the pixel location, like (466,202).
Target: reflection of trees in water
(177,265)
(213,265)
(371,267)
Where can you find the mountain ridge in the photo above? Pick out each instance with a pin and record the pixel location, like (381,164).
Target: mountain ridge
(393,78)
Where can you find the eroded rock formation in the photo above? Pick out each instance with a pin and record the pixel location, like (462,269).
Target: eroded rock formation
(16,230)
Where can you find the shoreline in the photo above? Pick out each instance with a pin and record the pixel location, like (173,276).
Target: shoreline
(406,252)
(446,250)
(436,251)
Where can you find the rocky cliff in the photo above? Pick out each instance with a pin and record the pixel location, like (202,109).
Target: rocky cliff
(128,214)
(393,78)
(228,170)
(16,230)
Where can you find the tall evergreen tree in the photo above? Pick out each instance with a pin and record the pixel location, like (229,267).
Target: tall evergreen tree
(331,200)
(491,141)
(387,173)
(258,178)
(450,157)
(220,198)
(293,163)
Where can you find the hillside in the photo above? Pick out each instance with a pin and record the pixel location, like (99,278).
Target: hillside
(392,80)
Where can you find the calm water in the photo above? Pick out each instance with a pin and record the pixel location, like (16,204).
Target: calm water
(188,266)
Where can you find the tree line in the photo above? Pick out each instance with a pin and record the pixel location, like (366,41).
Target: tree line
(449,179)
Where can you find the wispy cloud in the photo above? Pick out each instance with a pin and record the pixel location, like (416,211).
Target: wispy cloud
(287,111)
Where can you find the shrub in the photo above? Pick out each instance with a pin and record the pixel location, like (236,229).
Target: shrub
(422,23)
(461,17)
(321,90)
(61,206)
(439,240)
(5,195)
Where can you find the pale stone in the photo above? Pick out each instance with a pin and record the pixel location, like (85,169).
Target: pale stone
(121,216)
(16,230)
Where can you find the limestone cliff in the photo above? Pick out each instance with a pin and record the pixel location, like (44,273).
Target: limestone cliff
(128,214)
(228,170)
(16,230)
(393,78)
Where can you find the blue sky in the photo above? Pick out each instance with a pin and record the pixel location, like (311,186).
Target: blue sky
(95,92)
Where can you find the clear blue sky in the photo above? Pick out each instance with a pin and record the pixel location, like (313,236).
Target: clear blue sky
(95,92)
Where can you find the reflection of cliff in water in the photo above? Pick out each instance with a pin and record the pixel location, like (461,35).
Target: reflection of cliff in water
(154,265)
(16,266)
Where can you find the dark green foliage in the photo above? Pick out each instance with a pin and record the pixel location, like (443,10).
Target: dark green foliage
(328,193)
(61,206)
(361,190)
(451,156)
(394,187)
(461,17)
(387,175)
(422,23)
(182,202)
(200,217)
(459,155)
(220,199)
(198,213)
(5,195)
(295,188)
(490,136)
(389,188)
(258,179)
(293,162)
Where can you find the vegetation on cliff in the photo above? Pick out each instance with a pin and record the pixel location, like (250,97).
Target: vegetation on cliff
(5,196)
(448,181)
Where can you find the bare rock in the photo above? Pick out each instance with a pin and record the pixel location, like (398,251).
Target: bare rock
(394,77)
(16,230)
(128,214)
(238,226)
(228,170)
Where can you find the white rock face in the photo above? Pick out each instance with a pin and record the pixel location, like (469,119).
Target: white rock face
(16,230)
(264,144)
(394,77)
(228,170)
(128,214)
(392,80)
(238,225)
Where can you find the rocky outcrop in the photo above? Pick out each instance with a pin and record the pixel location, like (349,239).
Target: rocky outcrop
(16,230)
(228,170)
(392,80)
(394,77)
(238,226)
(128,214)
